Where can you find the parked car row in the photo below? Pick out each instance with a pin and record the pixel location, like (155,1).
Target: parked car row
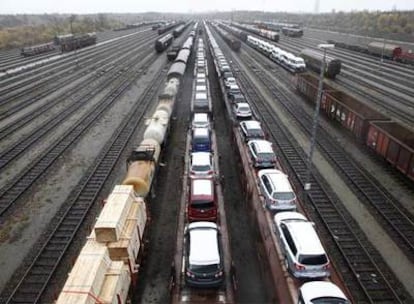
(287,60)
(295,236)
(203,250)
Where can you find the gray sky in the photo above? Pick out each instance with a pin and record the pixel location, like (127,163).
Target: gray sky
(135,6)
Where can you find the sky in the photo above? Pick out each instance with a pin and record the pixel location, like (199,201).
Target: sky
(187,6)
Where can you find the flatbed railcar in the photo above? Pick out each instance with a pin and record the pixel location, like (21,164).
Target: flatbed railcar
(284,285)
(162,43)
(38,49)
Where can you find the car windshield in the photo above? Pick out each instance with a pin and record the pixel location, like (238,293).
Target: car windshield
(329,300)
(266,155)
(201,140)
(205,268)
(201,167)
(202,204)
(255,132)
(244,108)
(284,196)
(314,259)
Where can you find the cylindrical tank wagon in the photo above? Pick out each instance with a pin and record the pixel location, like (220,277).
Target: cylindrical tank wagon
(161,44)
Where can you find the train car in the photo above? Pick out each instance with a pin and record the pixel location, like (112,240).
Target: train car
(351,113)
(168,27)
(179,30)
(313,60)
(78,41)
(173,51)
(176,70)
(387,50)
(394,143)
(183,56)
(292,32)
(233,43)
(162,43)
(282,283)
(271,35)
(37,49)
(235,31)
(390,140)
(62,38)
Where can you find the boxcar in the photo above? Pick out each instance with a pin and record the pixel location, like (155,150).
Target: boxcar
(339,106)
(387,50)
(37,49)
(314,59)
(393,142)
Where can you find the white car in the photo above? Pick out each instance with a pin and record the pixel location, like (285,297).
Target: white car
(201,165)
(242,110)
(321,292)
(304,254)
(230,81)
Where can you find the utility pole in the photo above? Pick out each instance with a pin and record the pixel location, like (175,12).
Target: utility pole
(72,18)
(307,185)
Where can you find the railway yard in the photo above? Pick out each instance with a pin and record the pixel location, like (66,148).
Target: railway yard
(76,125)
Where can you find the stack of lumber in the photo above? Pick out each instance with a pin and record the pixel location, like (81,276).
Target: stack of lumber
(102,272)
(87,276)
(116,284)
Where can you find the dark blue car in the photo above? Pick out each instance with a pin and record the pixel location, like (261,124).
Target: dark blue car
(201,140)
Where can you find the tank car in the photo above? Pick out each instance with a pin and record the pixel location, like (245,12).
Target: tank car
(162,43)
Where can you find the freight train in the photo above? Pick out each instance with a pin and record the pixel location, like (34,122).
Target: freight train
(202,268)
(109,261)
(233,43)
(390,140)
(271,35)
(261,190)
(390,51)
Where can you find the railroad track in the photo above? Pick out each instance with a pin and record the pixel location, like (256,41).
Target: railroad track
(369,68)
(72,93)
(11,192)
(14,60)
(36,278)
(52,79)
(369,279)
(395,218)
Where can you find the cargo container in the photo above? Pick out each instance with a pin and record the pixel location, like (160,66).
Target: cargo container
(393,142)
(349,112)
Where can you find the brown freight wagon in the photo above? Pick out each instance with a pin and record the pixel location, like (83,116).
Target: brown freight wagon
(393,142)
(348,111)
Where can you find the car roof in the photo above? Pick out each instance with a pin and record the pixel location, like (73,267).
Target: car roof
(261,145)
(203,244)
(318,289)
(242,104)
(200,117)
(234,86)
(202,186)
(201,95)
(200,132)
(306,239)
(279,179)
(201,158)
(251,124)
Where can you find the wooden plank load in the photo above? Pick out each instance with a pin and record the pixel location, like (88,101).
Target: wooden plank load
(112,219)
(87,276)
(116,285)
